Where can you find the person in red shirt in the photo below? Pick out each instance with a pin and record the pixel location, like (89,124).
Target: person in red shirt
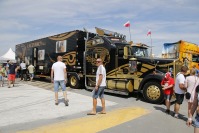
(167,84)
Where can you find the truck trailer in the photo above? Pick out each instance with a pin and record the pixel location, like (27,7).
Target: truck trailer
(42,53)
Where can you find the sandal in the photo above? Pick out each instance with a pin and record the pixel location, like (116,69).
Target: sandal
(102,112)
(91,113)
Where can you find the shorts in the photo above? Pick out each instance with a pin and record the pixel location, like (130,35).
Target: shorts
(11,77)
(167,97)
(99,93)
(1,78)
(58,83)
(179,98)
(31,75)
(196,122)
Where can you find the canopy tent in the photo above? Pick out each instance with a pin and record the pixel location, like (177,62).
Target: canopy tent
(9,55)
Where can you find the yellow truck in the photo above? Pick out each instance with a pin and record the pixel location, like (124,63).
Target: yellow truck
(186,52)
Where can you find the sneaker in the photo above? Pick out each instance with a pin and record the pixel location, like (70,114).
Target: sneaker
(176,116)
(167,111)
(56,103)
(66,102)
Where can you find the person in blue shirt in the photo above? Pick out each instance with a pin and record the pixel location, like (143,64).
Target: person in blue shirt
(7,67)
(197,71)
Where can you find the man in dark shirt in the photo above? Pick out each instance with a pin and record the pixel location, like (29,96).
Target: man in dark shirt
(12,72)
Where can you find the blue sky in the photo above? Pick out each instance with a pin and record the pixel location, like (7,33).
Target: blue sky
(169,20)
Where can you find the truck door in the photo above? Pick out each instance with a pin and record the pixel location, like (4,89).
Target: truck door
(119,61)
(35,57)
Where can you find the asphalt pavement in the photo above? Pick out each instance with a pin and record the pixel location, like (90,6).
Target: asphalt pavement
(28,106)
(24,103)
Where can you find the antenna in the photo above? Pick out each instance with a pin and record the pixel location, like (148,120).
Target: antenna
(85,30)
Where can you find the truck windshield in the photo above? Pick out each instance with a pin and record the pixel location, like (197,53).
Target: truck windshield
(139,51)
(195,58)
(116,39)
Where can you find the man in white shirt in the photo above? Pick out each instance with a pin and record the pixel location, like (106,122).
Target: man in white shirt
(23,69)
(99,88)
(179,90)
(59,73)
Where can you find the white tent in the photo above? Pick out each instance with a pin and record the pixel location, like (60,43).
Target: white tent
(9,55)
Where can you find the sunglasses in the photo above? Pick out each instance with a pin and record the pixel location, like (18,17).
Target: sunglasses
(98,61)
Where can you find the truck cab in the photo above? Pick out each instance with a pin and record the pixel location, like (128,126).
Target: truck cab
(128,66)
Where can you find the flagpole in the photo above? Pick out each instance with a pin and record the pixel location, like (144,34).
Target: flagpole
(151,45)
(130,33)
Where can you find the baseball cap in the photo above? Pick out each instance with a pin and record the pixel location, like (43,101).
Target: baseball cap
(167,75)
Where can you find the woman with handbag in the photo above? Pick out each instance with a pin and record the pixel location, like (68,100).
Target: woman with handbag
(191,83)
(194,108)
(2,75)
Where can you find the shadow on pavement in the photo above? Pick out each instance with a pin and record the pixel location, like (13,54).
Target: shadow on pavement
(181,116)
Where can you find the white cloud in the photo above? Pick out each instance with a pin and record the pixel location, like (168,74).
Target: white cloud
(12,24)
(170,21)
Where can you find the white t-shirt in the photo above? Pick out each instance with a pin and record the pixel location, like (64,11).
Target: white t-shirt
(58,68)
(180,79)
(23,66)
(31,69)
(191,83)
(101,70)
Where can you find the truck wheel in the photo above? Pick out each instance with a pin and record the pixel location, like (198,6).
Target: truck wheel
(74,81)
(153,93)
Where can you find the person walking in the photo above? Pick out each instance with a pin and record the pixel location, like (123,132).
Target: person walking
(197,71)
(12,72)
(179,90)
(99,87)
(191,83)
(7,70)
(194,108)
(167,84)
(23,69)
(59,78)
(31,70)
(7,67)
(2,75)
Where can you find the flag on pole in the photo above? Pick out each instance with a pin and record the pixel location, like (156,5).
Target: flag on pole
(127,24)
(149,32)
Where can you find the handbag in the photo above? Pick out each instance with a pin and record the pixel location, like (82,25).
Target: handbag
(187,95)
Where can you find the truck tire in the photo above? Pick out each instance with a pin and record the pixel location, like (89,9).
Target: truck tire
(74,82)
(153,93)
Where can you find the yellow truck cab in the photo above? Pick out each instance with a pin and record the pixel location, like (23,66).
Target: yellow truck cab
(186,52)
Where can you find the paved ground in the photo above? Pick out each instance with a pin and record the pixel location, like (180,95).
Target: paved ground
(25,103)
(29,107)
